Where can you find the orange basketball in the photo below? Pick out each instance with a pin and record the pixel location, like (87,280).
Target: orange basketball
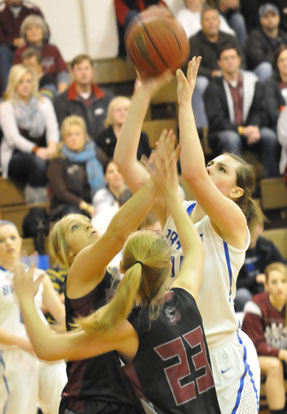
(155,44)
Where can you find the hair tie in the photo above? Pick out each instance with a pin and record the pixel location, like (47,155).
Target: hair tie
(138,261)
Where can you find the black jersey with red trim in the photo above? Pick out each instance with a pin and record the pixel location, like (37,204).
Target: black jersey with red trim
(172,367)
(97,379)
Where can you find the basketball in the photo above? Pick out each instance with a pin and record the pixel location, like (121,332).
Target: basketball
(155,44)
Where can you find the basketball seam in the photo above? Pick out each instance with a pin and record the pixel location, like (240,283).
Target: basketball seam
(174,35)
(154,46)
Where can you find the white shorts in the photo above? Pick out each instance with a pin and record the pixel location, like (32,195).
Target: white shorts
(25,381)
(236,375)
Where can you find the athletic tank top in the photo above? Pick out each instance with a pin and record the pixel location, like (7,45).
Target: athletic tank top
(10,314)
(99,378)
(222,263)
(172,367)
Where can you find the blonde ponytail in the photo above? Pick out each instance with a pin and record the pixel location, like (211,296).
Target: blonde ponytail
(118,309)
(146,263)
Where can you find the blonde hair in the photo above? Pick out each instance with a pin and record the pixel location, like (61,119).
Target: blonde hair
(280,267)
(15,75)
(245,179)
(65,127)
(58,246)
(109,118)
(37,21)
(146,266)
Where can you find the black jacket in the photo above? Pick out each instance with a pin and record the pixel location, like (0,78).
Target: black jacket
(260,47)
(273,100)
(107,142)
(217,108)
(68,103)
(201,46)
(267,253)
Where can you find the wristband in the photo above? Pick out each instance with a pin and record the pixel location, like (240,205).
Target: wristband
(240,130)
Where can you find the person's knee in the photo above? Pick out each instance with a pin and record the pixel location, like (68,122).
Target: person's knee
(263,71)
(230,141)
(268,136)
(201,84)
(275,368)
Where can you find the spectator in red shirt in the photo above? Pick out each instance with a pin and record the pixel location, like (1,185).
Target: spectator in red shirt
(12,14)
(265,323)
(36,34)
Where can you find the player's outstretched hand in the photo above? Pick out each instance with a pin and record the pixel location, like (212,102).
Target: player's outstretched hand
(25,286)
(186,85)
(165,164)
(152,85)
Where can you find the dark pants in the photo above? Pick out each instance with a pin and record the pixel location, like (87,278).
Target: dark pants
(28,169)
(267,147)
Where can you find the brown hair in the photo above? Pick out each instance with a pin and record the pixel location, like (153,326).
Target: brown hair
(79,59)
(245,179)
(31,52)
(280,267)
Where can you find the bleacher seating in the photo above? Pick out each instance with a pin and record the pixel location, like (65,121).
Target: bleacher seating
(13,206)
(153,128)
(273,193)
(279,238)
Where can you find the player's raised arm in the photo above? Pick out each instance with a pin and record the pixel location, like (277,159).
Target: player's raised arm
(166,177)
(219,206)
(125,155)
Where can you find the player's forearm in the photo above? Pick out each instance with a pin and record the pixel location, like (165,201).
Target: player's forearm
(131,214)
(191,154)
(40,334)
(7,338)
(128,141)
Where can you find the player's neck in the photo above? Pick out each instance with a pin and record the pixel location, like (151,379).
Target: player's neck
(83,88)
(116,129)
(9,265)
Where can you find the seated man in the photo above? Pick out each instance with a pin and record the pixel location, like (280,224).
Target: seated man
(236,113)
(206,43)
(262,42)
(84,98)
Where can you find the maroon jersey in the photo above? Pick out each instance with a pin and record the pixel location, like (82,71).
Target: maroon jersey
(172,366)
(95,381)
(265,325)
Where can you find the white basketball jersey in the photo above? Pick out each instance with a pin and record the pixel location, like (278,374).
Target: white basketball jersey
(222,263)
(10,315)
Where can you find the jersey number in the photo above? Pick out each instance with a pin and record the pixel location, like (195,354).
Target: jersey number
(176,373)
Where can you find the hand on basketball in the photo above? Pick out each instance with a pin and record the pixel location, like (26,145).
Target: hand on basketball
(151,85)
(25,286)
(186,85)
